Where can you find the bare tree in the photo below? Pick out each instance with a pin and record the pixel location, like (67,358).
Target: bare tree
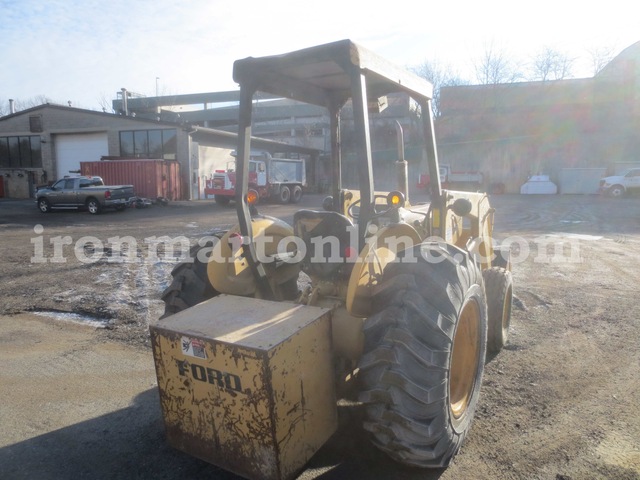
(600,57)
(32,102)
(105,104)
(551,64)
(439,75)
(496,66)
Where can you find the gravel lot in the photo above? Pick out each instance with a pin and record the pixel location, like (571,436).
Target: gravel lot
(78,386)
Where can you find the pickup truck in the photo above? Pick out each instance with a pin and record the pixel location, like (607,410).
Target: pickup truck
(618,185)
(83,192)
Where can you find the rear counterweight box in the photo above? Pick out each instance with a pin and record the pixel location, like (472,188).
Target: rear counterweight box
(247,384)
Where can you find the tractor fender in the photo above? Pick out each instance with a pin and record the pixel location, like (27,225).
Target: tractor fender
(380,250)
(229,272)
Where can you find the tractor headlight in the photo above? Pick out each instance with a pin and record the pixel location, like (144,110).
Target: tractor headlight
(395,199)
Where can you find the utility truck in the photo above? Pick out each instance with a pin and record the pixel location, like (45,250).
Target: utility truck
(369,298)
(281,179)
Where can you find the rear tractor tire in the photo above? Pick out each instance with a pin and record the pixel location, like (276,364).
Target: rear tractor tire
(498,285)
(424,356)
(190,284)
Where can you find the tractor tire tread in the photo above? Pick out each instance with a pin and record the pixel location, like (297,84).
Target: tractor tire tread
(190,284)
(403,372)
(498,284)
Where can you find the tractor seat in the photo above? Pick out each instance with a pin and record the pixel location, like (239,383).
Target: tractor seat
(326,236)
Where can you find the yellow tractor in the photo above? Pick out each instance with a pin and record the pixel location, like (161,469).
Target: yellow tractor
(394,304)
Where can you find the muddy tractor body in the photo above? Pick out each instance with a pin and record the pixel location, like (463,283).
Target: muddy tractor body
(368,297)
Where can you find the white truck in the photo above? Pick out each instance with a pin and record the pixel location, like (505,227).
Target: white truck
(618,185)
(281,179)
(455,180)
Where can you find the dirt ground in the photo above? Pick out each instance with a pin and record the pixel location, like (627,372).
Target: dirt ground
(79,398)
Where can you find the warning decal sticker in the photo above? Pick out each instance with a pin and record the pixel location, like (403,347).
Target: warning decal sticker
(193,347)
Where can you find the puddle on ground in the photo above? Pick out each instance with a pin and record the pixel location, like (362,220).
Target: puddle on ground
(74,318)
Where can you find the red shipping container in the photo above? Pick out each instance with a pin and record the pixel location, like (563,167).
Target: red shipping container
(151,178)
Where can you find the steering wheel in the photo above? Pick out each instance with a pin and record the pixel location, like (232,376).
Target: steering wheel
(384,209)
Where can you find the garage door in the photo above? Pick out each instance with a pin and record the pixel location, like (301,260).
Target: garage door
(580,180)
(71,149)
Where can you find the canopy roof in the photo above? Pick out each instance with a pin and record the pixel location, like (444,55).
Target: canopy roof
(322,75)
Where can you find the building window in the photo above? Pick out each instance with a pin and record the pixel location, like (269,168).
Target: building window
(21,152)
(35,123)
(149,144)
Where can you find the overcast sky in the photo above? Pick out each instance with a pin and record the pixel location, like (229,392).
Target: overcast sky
(84,51)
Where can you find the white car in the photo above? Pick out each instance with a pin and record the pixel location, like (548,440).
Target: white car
(618,185)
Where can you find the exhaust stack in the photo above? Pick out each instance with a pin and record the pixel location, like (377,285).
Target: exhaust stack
(401,164)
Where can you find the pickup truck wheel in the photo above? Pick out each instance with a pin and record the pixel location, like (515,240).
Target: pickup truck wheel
(424,356)
(93,206)
(498,285)
(616,191)
(190,284)
(296,194)
(44,206)
(285,194)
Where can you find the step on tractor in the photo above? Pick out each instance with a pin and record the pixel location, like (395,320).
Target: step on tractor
(388,305)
